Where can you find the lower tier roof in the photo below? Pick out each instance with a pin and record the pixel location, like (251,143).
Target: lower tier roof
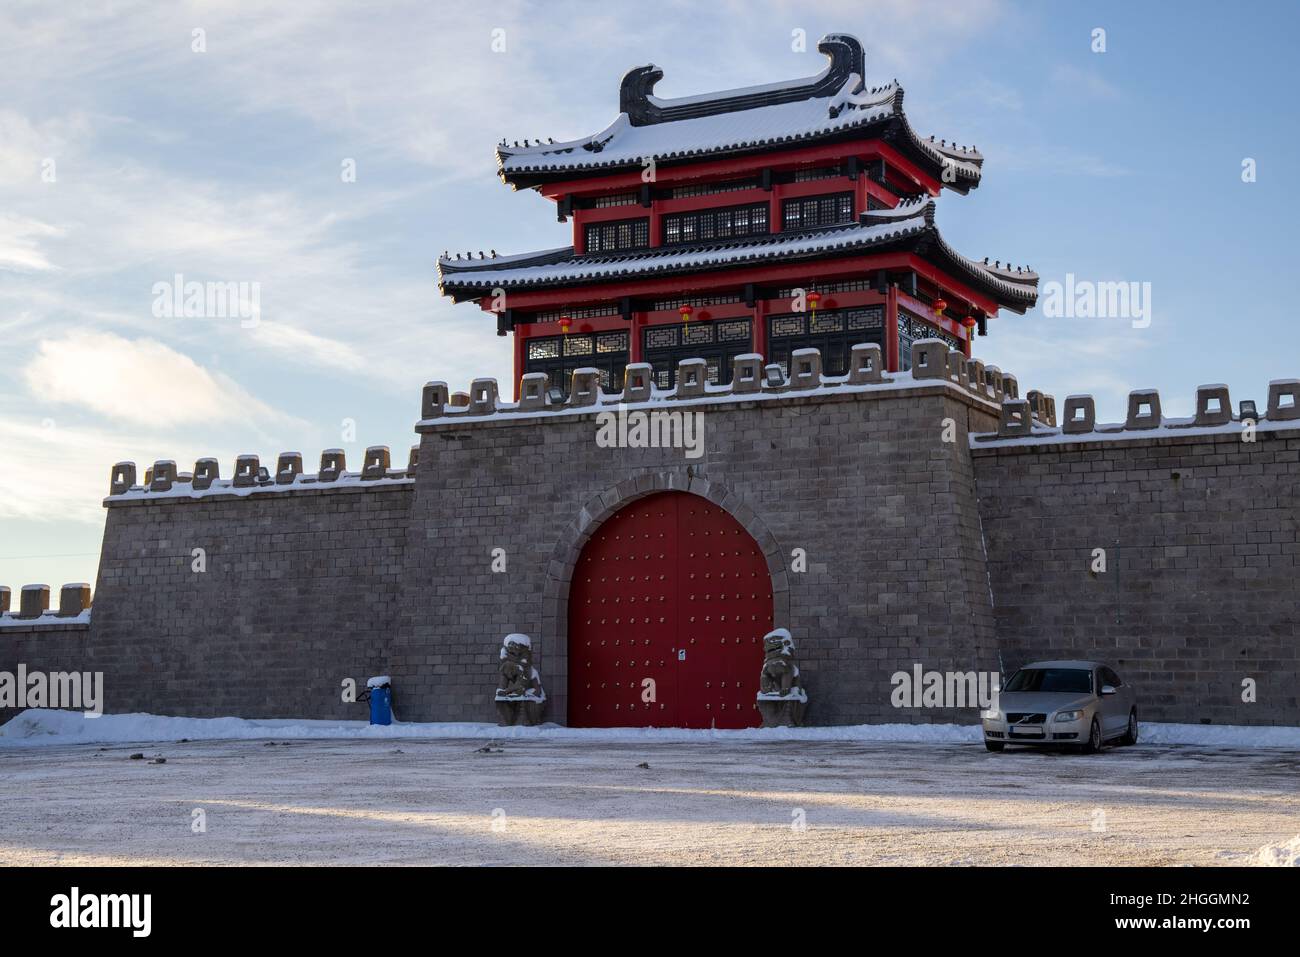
(908,228)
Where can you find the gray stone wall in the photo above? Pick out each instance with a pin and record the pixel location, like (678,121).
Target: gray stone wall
(920,552)
(1202,588)
(300,592)
(864,482)
(50,646)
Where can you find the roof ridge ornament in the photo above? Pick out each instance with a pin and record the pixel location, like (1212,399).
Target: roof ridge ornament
(636,92)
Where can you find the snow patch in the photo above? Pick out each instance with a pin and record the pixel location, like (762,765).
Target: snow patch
(40,726)
(1279,855)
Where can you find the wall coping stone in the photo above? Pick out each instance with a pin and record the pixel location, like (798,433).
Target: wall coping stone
(836,389)
(303,484)
(1054,440)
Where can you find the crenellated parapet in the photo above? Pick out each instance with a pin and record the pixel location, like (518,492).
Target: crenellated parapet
(933,363)
(34,606)
(250,476)
(1033,419)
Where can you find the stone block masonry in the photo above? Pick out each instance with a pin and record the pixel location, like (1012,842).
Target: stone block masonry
(299,591)
(944,521)
(1201,587)
(862,481)
(45,644)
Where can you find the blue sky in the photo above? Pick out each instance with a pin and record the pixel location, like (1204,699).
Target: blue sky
(225,165)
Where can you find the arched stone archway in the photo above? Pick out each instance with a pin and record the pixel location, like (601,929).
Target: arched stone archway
(599,510)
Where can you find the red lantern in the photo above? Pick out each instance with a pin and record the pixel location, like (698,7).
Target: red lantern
(686,311)
(940,304)
(565,323)
(814,298)
(970,322)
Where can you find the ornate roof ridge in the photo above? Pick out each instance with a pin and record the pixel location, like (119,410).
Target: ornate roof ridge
(645,126)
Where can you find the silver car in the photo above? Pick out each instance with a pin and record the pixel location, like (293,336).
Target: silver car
(1081,704)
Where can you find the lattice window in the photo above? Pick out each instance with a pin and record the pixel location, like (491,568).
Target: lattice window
(717,343)
(826,322)
(872,318)
(851,285)
(724,223)
(912,329)
(618,235)
(733,331)
(578,345)
(833,331)
(544,348)
(694,301)
(611,342)
(705,189)
(698,333)
(813,211)
(661,337)
(618,199)
(787,326)
(594,312)
(821,172)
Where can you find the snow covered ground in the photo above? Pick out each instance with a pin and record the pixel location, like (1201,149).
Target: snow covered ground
(43,727)
(331,793)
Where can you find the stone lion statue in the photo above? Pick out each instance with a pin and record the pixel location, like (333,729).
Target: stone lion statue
(519,679)
(780,675)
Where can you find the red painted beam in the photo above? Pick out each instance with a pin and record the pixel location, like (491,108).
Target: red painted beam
(704,283)
(738,166)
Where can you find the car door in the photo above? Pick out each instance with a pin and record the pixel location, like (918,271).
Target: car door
(1114,707)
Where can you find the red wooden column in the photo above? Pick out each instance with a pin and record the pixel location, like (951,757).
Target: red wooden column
(520,344)
(892,362)
(760,328)
(860,193)
(634,337)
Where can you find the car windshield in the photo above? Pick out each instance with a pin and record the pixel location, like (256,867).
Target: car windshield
(1071,680)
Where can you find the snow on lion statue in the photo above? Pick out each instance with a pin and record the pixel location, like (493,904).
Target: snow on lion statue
(519,693)
(781,697)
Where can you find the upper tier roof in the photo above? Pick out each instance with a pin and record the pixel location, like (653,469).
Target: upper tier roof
(832,105)
(908,227)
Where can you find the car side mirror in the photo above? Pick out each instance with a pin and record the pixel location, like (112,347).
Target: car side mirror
(1107,689)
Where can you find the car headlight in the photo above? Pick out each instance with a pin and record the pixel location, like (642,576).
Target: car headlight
(1063,716)
(993,714)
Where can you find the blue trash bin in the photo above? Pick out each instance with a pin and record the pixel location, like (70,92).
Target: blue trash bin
(381,704)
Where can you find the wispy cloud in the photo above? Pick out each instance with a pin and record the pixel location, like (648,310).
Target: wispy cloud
(1078,82)
(140,382)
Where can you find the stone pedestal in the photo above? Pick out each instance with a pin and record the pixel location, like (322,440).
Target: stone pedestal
(519,709)
(782,712)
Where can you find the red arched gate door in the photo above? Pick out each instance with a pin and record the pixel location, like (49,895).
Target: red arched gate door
(668,606)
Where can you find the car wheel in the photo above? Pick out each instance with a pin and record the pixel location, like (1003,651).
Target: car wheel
(994,745)
(1094,738)
(1131,734)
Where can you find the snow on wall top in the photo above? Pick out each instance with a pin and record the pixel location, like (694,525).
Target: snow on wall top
(740,120)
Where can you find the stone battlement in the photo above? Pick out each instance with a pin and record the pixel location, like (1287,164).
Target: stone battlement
(162,481)
(34,605)
(1022,421)
(932,363)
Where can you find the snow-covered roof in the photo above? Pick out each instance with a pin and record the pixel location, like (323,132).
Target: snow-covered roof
(910,223)
(835,103)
